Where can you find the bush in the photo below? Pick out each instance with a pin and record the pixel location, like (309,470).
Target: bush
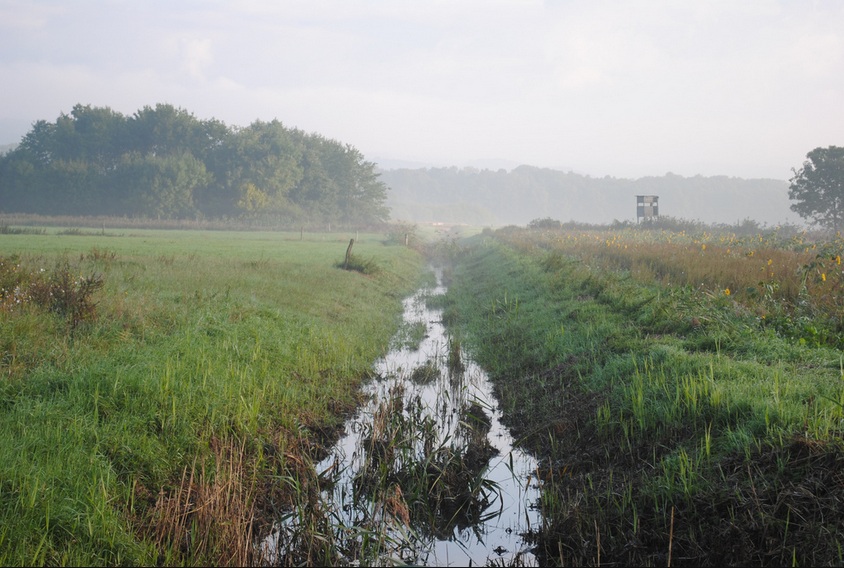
(546,224)
(60,292)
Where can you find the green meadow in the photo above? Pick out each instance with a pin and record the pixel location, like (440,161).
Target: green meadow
(166,393)
(158,386)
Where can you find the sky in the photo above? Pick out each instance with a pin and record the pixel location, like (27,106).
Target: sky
(632,88)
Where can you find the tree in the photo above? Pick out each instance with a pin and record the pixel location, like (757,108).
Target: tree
(166,130)
(818,188)
(157,186)
(255,168)
(163,162)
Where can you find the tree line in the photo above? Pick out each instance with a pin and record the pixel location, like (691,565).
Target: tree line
(162,162)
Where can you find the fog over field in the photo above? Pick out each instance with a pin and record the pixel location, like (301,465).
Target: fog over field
(501,197)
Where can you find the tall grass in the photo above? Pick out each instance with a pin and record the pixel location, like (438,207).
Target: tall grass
(789,281)
(670,418)
(151,434)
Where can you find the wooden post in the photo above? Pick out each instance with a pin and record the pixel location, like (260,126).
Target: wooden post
(348,254)
(302,234)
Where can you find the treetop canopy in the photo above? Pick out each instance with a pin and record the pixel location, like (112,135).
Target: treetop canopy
(164,162)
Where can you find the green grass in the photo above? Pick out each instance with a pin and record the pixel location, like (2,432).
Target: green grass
(655,434)
(212,356)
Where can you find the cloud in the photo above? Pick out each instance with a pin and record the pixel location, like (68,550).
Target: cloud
(196,57)
(22,15)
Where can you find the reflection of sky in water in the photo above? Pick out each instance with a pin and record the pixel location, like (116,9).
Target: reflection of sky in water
(498,538)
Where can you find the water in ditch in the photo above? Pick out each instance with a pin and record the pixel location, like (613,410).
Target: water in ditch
(425,472)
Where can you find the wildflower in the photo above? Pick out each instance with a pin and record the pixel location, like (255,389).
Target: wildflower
(770,262)
(703,246)
(727,292)
(823,276)
(838,259)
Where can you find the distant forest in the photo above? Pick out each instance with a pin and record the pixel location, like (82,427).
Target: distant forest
(162,162)
(496,198)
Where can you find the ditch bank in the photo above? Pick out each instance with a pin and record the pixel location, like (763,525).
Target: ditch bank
(424,473)
(652,450)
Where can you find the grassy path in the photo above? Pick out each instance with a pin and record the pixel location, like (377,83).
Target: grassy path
(160,427)
(663,442)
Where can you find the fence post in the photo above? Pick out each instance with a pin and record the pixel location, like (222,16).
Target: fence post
(348,254)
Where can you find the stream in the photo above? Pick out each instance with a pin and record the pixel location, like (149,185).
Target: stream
(425,473)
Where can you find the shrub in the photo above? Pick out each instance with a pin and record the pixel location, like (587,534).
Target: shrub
(60,292)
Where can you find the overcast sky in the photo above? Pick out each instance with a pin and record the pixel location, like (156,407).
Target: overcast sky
(630,88)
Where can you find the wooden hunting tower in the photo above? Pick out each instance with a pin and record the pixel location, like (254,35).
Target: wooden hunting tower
(647,207)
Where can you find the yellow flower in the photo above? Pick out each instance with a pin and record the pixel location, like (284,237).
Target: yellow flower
(703,247)
(838,259)
(823,276)
(770,262)
(727,292)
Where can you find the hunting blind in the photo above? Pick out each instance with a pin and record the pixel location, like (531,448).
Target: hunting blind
(647,207)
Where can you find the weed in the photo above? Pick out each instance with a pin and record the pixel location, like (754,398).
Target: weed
(60,291)
(364,266)
(67,294)
(97,254)
(426,373)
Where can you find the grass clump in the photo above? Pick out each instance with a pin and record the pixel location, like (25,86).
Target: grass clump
(359,264)
(410,335)
(6,229)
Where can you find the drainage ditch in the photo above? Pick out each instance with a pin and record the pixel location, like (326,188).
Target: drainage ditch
(425,472)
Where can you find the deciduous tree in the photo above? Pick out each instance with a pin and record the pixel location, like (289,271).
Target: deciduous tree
(817,188)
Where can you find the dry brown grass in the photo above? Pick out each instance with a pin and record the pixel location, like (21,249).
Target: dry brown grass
(209,517)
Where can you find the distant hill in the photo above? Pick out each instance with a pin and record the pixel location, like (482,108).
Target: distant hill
(495,198)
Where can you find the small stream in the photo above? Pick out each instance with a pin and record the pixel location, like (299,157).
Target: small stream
(425,472)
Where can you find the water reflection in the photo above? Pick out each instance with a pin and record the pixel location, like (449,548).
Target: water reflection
(425,472)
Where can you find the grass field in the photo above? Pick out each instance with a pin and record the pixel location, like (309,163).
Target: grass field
(684,391)
(157,385)
(165,393)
